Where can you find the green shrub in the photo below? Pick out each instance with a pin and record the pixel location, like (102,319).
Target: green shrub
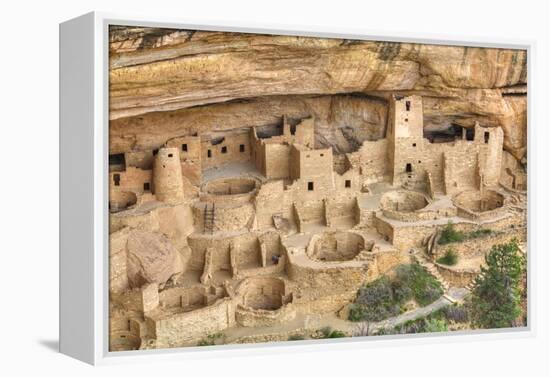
(450,235)
(375,302)
(456,313)
(450,258)
(328,332)
(434,325)
(296,337)
(425,288)
(205,342)
(336,334)
(479,233)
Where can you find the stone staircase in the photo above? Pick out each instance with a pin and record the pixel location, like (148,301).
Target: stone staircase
(432,269)
(209,217)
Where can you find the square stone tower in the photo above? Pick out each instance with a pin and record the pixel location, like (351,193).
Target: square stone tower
(406,137)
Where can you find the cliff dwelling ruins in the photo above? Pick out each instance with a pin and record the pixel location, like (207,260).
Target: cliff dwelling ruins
(254,217)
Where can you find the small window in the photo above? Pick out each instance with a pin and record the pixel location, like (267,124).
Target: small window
(241,148)
(117,159)
(146,186)
(322,155)
(155,152)
(184,147)
(486,137)
(408,168)
(209,153)
(406,119)
(310,186)
(224,149)
(419,161)
(348,183)
(170,155)
(408,105)
(116,179)
(307,155)
(414,144)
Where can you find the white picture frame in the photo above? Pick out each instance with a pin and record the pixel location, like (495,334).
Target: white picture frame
(84,189)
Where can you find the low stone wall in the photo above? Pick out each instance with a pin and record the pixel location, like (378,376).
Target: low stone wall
(226,218)
(183,328)
(250,317)
(457,277)
(420,215)
(384,261)
(229,191)
(331,277)
(340,207)
(335,246)
(479,216)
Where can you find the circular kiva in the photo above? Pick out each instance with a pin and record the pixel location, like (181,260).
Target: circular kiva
(335,246)
(403,201)
(230,186)
(479,202)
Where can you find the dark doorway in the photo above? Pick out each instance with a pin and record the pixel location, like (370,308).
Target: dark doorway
(224,149)
(486,137)
(409,168)
(146,186)
(408,105)
(310,186)
(184,147)
(209,153)
(241,148)
(116,179)
(348,183)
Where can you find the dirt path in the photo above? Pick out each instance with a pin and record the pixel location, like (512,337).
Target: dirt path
(302,322)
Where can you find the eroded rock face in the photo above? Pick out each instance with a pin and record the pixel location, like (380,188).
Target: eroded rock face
(166,82)
(151,259)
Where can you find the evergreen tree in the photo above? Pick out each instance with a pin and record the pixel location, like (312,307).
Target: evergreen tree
(495,300)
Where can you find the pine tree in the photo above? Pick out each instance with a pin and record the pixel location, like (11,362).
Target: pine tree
(495,301)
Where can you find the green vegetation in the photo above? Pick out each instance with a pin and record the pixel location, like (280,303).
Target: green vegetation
(384,298)
(435,325)
(450,258)
(212,339)
(437,321)
(296,337)
(424,287)
(496,295)
(328,332)
(450,234)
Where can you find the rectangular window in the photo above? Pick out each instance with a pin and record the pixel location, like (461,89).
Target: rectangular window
(408,105)
(116,179)
(146,186)
(170,155)
(224,149)
(155,152)
(209,153)
(184,147)
(117,159)
(241,148)
(408,168)
(310,186)
(348,183)
(486,136)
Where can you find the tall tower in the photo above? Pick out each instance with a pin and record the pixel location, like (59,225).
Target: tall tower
(167,177)
(406,136)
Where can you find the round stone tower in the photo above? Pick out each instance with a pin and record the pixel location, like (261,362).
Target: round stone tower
(167,177)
